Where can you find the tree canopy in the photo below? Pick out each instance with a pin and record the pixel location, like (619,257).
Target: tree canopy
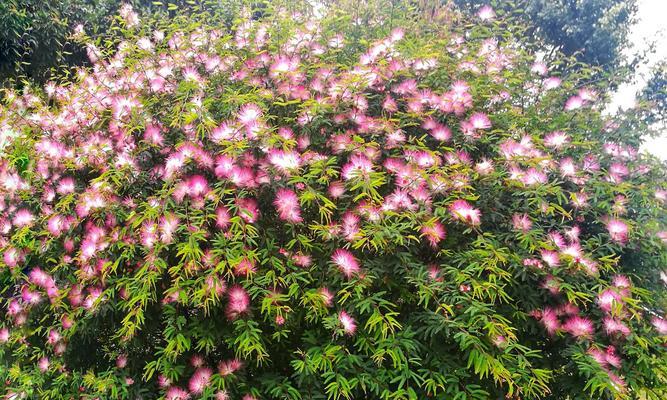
(288,201)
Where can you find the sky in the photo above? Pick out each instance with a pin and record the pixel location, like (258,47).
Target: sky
(651,26)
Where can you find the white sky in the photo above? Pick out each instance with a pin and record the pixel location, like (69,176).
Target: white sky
(651,26)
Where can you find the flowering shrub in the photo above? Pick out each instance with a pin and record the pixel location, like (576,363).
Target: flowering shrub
(332,204)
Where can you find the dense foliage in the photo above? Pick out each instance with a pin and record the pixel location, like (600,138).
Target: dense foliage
(347,202)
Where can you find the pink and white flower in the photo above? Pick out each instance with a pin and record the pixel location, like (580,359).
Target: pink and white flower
(348,323)
(345,262)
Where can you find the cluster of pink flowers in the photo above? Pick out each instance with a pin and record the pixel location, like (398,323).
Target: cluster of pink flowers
(117,188)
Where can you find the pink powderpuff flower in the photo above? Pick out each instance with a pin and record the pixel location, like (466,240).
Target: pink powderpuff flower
(612,358)
(249,114)
(617,382)
(484,167)
(287,204)
(200,380)
(163,381)
(539,68)
(56,225)
(228,367)
(23,218)
(176,393)
(336,190)
(486,13)
(12,257)
(345,262)
(660,325)
(434,273)
(618,230)
(43,364)
(153,135)
(327,296)
(551,83)
(521,222)
(4,335)
(222,217)
(434,233)
(349,325)
(463,211)
(245,267)
(612,326)
(621,282)
(607,298)
(197,186)
(168,225)
(389,104)
(549,319)
(239,302)
(285,161)
(222,395)
(574,103)
(248,209)
(579,327)
(556,139)
(480,121)
(121,361)
(599,356)
(358,166)
(550,258)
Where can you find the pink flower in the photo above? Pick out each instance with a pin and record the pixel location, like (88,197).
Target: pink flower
(168,225)
(480,121)
(153,135)
(579,327)
(660,325)
(249,114)
(550,257)
(521,222)
(285,161)
(463,211)
(222,395)
(336,189)
(349,325)
(486,13)
(434,233)
(358,166)
(200,380)
(43,364)
(574,103)
(327,296)
(345,262)
(539,68)
(618,230)
(121,361)
(612,326)
(248,209)
(621,282)
(176,393)
(239,302)
(245,267)
(23,218)
(549,319)
(11,257)
(222,217)
(556,139)
(607,298)
(287,204)
(551,83)
(4,335)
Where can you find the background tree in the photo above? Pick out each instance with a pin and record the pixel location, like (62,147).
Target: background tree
(594,31)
